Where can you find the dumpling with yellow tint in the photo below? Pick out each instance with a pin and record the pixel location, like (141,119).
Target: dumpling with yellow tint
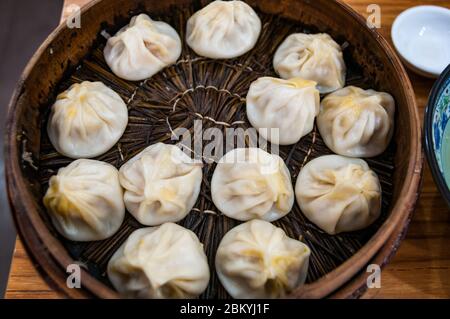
(86,120)
(249,183)
(339,194)
(84,200)
(357,123)
(283,111)
(142,48)
(315,57)
(161,184)
(257,260)
(160,262)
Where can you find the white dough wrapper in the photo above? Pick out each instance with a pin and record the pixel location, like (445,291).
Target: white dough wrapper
(142,48)
(357,123)
(289,106)
(84,200)
(249,183)
(257,260)
(339,194)
(160,262)
(87,120)
(315,57)
(161,184)
(223,30)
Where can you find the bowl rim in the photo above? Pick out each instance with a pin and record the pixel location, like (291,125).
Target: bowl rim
(407,14)
(51,257)
(428,136)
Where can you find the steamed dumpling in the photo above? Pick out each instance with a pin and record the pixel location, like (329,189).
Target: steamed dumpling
(160,262)
(142,48)
(357,123)
(339,194)
(257,260)
(87,120)
(287,105)
(84,200)
(223,30)
(315,57)
(161,184)
(249,183)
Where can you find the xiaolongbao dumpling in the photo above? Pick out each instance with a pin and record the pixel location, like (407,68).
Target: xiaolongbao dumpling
(84,200)
(249,183)
(339,194)
(287,105)
(223,30)
(87,120)
(160,262)
(257,260)
(142,48)
(357,123)
(315,57)
(161,184)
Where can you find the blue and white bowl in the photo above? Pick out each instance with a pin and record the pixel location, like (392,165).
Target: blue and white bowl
(437,133)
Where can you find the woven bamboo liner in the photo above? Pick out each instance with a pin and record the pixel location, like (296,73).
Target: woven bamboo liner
(213,91)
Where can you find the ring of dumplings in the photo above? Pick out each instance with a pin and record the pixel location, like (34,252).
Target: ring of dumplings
(167,261)
(249,183)
(357,123)
(290,106)
(315,57)
(161,184)
(84,200)
(86,120)
(257,260)
(223,30)
(338,194)
(142,48)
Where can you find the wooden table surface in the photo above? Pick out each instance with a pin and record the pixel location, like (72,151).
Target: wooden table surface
(421,267)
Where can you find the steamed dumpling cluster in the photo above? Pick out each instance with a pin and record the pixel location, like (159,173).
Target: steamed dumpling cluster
(249,183)
(257,260)
(142,48)
(357,123)
(87,120)
(84,200)
(160,262)
(161,184)
(315,57)
(339,194)
(223,30)
(287,105)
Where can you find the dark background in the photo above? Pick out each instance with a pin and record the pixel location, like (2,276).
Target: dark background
(24,24)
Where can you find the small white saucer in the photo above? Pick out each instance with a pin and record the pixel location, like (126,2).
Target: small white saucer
(421,36)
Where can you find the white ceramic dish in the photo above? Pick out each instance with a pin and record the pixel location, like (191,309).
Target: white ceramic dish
(421,36)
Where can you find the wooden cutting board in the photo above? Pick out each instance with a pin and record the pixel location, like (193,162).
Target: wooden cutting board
(421,267)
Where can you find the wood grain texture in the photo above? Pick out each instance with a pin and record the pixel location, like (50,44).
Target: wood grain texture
(421,267)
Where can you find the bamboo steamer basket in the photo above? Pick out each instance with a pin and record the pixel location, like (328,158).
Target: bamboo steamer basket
(338,263)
